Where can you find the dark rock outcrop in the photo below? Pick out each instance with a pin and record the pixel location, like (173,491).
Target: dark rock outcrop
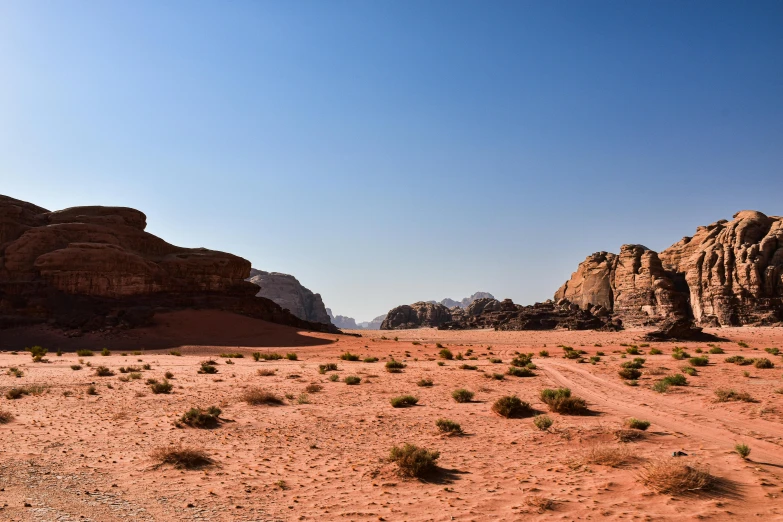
(505,315)
(90,268)
(729,273)
(288,292)
(679,329)
(416,315)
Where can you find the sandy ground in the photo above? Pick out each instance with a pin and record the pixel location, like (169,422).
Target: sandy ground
(67,455)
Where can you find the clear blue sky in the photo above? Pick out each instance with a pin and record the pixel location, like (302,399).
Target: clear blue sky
(390,151)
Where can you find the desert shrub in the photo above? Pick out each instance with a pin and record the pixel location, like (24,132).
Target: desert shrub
(394,366)
(606,455)
(496,376)
(698,361)
(724,395)
(37,353)
(438,345)
(256,396)
(175,353)
(440,363)
(572,354)
(495,360)
(467,367)
(16,372)
(560,401)
(425,382)
(161,387)
(168,375)
(91,390)
(313,388)
(689,371)
(412,460)
(676,379)
(303,399)
(679,353)
(628,435)
(105,352)
(742,344)
(256,356)
(521,360)
(6,417)
(543,422)
(182,457)
(630,373)
(543,353)
(739,360)
(102,371)
(348,356)
(198,418)
(229,355)
(445,353)
(15,393)
(671,476)
(447,426)
(636,424)
(594,359)
(742,450)
(462,395)
(270,356)
(76,367)
(84,353)
(328,367)
(291,356)
(370,359)
(520,372)
(352,380)
(772,351)
(636,363)
(763,363)
(207,368)
(334,377)
(511,406)
(266,372)
(655,351)
(661,386)
(403,401)
(716,350)
(632,350)
(134,376)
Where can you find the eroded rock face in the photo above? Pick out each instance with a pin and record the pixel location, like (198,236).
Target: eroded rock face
(505,315)
(728,273)
(288,292)
(94,267)
(416,315)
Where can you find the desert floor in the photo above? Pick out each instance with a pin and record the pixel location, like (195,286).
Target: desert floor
(68,455)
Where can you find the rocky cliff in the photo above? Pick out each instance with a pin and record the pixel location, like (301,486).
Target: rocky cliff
(288,292)
(464,303)
(341,321)
(96,267)
(416,315)
(729,273)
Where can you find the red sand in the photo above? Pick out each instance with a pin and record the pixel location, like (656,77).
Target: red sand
(66,457)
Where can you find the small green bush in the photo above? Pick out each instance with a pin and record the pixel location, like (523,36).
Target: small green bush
(348,356)
(677,379)
(636,424)
(445,353)
(699,361)
(207,368)
(76,367)
(161,387)
(425,383)
(462,395)
(334,377)
(102,371)
(520,372)
(630,373)
(742,450)
(655,351)
(403,401)
(447,426)
(560,401)
(352,380)
(84,353)
(716,350)
(413,461)
(543,353)
(198,418)
(511,406)
(542,422)
(394,366)
(689,371)
(467,367)
(370,359)
(763,363)
(724,395)
(105,352)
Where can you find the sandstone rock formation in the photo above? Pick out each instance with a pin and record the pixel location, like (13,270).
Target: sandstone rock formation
(97,267)
(375,324)
(464,303)
(288,292)
(728,273)
(416,315)
(505,315)
(341,321)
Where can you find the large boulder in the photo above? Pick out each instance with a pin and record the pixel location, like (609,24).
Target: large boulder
(97,267)
(416,315)
(288,292)
(728,273)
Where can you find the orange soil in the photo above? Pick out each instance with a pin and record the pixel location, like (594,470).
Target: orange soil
(71,456)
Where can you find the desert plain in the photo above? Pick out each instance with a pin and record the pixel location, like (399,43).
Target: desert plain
(79,446)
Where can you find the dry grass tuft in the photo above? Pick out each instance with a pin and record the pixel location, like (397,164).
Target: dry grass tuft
(6,416)
(540,503)
(256,396)
(605,455)
(628,435)
(182,457)
(672,476)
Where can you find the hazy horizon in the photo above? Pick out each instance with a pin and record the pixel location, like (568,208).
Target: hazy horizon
(390,152)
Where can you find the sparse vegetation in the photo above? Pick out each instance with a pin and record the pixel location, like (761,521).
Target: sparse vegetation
(161,387)
(105,352)
(256,396)
(655,351)
(763,363)
(447,426)
(403,401)
(370,359)
(394,366)
(716,350)
(235,355)
(266,372)
(425,382)
(198,418)
(445,353)
(6,417)
(743,450)
(462,395)
(727,395)
(742,344)
(348,356)
(413,461)
(313,388)
(672,476)
(102,371)
(512,406)
(467,367)
(84,353)
(636,424)
(543,422)
(520,372)
(37,353)
(208,367)
(689,371)
(334,377)
(630,373)
(328,367)
(560,400)
(699,361)
(182,457)
(352,380)
(606,455)
(291,356)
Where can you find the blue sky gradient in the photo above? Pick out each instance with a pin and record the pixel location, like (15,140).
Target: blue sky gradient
(387,152)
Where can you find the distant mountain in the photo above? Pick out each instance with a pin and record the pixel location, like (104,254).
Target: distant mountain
(288,292)
(375,324)
(451,303)
(341,321)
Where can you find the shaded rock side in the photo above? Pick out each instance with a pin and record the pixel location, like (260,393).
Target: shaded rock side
(95,267)
(288,292)
(342,322)
(416,315)
(728,273)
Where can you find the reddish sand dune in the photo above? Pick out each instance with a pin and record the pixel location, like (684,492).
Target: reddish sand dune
(68,455)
